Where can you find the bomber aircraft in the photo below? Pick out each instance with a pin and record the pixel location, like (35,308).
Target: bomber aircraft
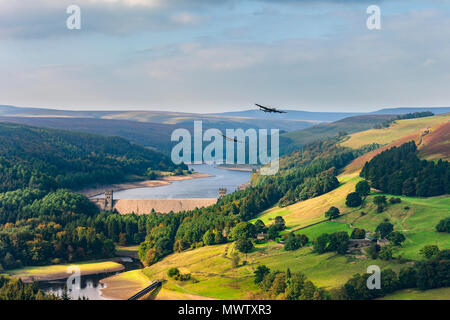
(269,110)
(230,139)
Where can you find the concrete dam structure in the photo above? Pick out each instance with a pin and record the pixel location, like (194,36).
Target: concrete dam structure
(146,206)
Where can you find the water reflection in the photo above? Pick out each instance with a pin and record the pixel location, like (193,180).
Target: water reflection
(195,188)
(90,285)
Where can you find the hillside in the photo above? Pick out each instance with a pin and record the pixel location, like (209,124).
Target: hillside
(294,140)
(431,135)
(152,135)
(330,116)
(414,217)
(398,129)
(404,110)
(48,158)
(214,277)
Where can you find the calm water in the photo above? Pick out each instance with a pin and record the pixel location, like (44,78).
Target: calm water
(90,285)
(195,188)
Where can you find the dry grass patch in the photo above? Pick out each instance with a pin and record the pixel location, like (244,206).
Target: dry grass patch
(310,211)
(400,128)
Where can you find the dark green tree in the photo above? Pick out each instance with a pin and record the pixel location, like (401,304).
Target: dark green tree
(396,238)
(260,272)
(332,213)
(244,245)
(358,233)
(353,200)
(384,229)
(363,188)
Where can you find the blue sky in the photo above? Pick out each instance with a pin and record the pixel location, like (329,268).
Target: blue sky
(215,56)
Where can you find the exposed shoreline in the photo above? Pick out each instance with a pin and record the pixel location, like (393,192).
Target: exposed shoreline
(123,285)
(92,192)
(58,272)
(236,168)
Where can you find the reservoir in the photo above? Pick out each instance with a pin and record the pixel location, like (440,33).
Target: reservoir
(90,285)
(194,188)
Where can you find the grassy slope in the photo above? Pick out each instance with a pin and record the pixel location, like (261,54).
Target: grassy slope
(412,294)
(431,135)
(214,277)
(312,210)
(399,129)
(418,223)
(296,139)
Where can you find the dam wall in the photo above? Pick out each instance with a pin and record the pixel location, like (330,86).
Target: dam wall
(145,206)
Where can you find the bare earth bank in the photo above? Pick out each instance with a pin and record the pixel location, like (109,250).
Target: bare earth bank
(91,192)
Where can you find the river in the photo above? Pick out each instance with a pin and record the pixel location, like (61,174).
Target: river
(194,188)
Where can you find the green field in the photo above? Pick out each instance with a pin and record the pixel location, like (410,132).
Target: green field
(214,277)
(325,227)
(417,223)
(413,294)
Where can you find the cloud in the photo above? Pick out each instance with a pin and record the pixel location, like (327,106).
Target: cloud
(345,67)
(27,19)
(46,18)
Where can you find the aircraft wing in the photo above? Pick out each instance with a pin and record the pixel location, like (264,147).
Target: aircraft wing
(262,107)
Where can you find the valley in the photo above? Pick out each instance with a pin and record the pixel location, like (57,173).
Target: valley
(198,239)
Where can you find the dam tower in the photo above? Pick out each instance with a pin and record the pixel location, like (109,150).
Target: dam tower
(109,200)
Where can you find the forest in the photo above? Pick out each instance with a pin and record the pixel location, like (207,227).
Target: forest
(399,171)
(15,289)
(49,159)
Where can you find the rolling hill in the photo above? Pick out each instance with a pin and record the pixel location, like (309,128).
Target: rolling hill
(210,266)
(291,141)
(49,158)
(405,110)
(152,135)
(431,135)
(292,114)
(181,119)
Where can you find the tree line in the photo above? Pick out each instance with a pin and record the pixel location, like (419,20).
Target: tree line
(424,275)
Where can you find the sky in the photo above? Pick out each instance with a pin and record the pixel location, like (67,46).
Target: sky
(225,55)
